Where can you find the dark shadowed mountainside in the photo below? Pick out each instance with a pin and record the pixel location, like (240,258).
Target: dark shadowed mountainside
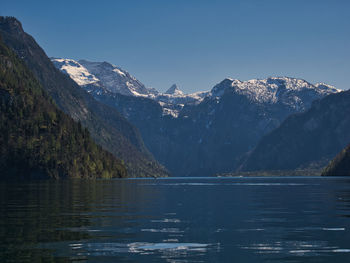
(39,140)
(308,139)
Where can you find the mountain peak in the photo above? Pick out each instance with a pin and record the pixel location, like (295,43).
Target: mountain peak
(174,90)
(11,24)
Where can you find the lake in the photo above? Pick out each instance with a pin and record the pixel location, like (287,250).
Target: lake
(266,219)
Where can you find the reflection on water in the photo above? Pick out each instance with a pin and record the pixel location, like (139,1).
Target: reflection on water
(171,250)
(176,220)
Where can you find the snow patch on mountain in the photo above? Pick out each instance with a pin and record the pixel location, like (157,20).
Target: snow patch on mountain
(173,100)
(117,80)
(273,90)
(75,70)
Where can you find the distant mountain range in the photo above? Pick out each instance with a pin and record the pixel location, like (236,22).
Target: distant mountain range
(106,126)
(204,132)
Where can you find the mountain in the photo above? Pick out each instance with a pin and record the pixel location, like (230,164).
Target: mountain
(214,135)
(308,139)
(292,93)
(106,126)
(115,79)
(231,120)
(174,90)
(210,132)
(340,166)
(39,140)
(102,77)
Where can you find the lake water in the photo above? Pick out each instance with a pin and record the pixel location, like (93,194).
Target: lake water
(176,220)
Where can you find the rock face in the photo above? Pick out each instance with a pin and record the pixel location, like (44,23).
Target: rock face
(107,127)
(307,139)
(210,132)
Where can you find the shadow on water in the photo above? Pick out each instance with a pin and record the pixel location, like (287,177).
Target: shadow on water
(48,212)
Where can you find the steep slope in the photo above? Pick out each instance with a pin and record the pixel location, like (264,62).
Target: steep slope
(107,127)
(340,165)
(37,139)
(307,139)
(116,80)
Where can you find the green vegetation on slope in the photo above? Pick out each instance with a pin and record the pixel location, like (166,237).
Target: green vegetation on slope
(37,139)
(340,166)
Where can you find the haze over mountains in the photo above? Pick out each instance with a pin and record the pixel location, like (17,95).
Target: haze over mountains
(201,133)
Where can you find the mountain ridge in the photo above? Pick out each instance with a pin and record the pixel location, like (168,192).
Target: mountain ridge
(116,80)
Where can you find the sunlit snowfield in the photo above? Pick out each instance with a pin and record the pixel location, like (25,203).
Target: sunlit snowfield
(177,220)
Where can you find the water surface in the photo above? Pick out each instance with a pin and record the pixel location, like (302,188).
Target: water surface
(270,219)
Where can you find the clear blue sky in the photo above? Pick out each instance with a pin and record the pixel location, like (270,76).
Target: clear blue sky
(196,44)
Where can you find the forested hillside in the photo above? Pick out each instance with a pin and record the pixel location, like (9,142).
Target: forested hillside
(39,140)
(340,166)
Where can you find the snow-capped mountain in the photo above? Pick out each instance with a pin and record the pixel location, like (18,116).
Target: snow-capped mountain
(270,89)
(174,90)
(292,92)
(173,100)
(75,70)
(103,76)
(117,80)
